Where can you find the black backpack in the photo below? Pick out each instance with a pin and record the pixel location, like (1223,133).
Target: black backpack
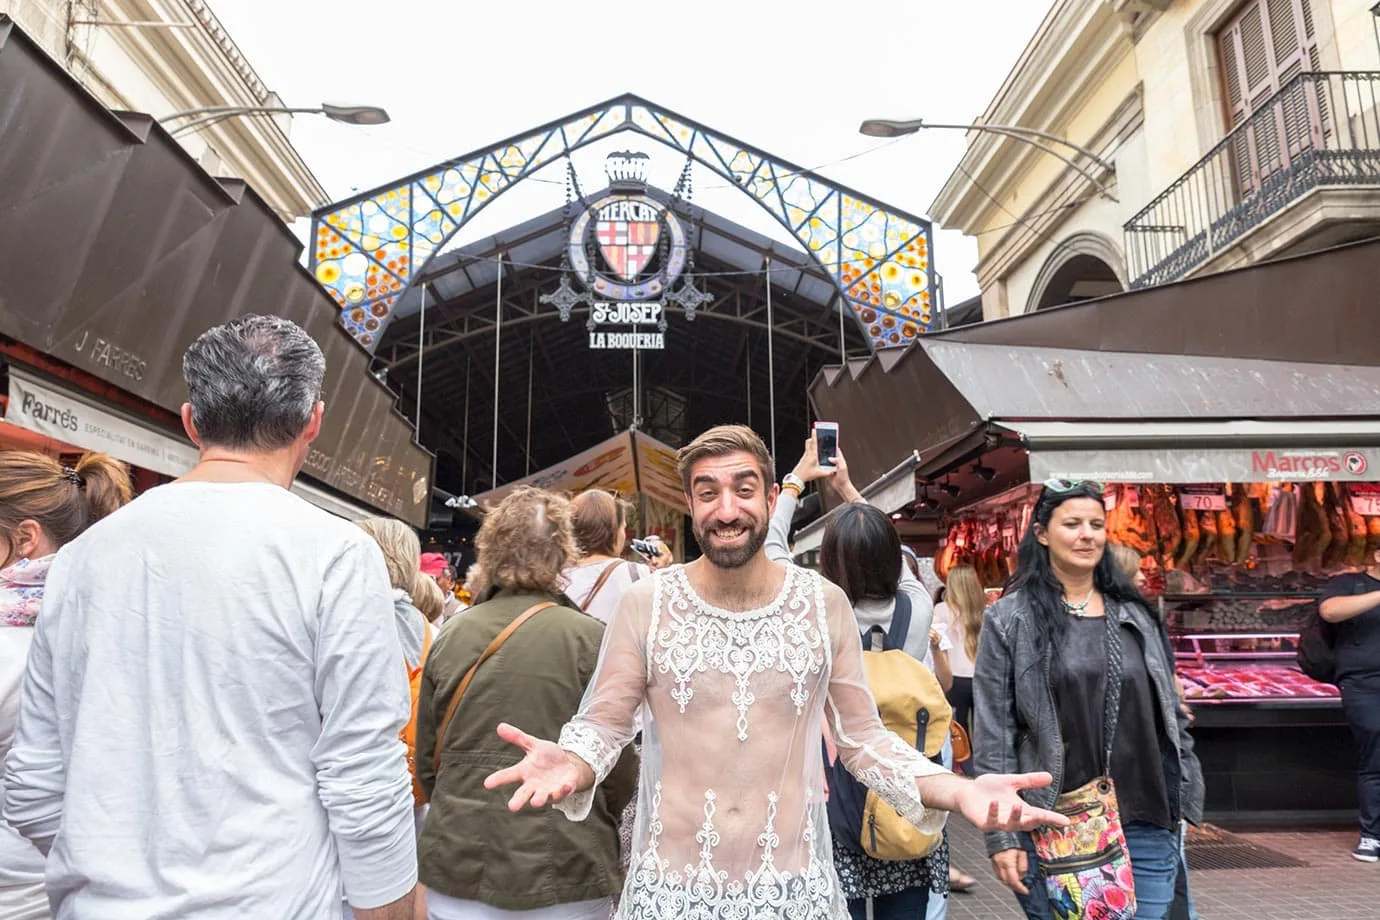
(1317,653)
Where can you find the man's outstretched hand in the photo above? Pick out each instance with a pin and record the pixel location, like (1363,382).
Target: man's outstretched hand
(547,772)
(991,803)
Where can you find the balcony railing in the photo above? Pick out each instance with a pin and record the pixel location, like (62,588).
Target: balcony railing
(1320,130)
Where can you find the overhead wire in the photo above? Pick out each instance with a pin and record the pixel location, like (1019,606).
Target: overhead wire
(1019,220)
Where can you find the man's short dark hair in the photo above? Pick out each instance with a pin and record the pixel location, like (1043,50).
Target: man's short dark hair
(721,441)
(253,382)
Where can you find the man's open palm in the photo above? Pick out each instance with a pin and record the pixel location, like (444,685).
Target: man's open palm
(991,803)
(547,773)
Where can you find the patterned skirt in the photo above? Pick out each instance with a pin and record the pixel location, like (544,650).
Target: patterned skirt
(864,877)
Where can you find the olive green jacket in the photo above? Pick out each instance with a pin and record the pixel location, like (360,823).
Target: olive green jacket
(472,846)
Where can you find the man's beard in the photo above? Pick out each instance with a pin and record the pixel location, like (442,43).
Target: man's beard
(733,557)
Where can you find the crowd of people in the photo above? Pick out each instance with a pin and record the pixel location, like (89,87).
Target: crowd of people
(217,700)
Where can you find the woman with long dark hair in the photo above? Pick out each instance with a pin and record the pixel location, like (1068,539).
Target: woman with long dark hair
(860,552)
(1068,619)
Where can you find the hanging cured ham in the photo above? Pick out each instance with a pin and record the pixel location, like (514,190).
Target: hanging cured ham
(1250,517)
(1189,547)
(1226,536)
(1359,530)
(1207,542)
(1338,524)
(1166,518)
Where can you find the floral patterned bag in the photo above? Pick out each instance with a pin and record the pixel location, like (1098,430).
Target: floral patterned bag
(1087,866)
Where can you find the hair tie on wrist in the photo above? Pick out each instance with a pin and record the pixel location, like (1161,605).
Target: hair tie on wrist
(72,476)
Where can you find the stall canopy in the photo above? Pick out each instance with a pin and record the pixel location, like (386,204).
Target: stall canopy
(628,463)
(1267,372)
(119,250)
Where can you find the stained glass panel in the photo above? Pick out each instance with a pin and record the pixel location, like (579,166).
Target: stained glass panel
(366,251)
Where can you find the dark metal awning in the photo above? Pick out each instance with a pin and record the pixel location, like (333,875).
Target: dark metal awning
(120,250)
(1085,378)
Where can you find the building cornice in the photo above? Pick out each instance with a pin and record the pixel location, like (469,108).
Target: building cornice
(202,66)
(1076,47)
(1059,201)
(232,52)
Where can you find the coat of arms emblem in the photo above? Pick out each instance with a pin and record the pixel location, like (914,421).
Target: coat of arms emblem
(627,247)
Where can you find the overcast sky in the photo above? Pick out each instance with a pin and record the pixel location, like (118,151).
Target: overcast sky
(792,77)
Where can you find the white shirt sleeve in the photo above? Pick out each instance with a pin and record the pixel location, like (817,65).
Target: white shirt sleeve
(35,779)
(778,545)
(361,764)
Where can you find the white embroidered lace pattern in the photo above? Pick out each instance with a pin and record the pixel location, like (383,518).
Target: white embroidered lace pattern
(732,823)
(654,891)
(784,636)
(585,742)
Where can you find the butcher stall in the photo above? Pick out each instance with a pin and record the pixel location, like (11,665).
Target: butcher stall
(1244,469)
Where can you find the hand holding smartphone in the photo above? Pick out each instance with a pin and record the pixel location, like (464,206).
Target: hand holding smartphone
(827,444)
(647,547)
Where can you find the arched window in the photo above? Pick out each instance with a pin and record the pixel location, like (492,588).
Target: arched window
(1084,266)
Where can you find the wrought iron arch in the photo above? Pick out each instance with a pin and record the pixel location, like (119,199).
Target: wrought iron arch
(366,250)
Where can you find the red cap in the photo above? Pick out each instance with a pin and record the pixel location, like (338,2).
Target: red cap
(434,564)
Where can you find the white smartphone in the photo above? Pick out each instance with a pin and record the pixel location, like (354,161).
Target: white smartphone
(827,443)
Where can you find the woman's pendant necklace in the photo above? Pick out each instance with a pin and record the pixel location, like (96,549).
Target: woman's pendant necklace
(1079,610)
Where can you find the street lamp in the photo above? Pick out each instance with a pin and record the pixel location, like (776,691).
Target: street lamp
(192,120)
(883,127)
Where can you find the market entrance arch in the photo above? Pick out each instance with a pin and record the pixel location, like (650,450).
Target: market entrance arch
(502,384)
(367,251)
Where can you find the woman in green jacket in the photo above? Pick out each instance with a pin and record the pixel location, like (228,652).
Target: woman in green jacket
(478,860)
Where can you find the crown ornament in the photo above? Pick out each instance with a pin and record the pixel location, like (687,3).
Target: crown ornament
(627,170)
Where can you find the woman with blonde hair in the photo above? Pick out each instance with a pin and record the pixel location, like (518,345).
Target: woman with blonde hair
(43,506)
(428,598)
(523,653)
(962,607)
(402,554)
(1128,560)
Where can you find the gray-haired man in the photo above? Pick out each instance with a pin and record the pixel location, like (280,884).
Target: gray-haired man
(210,717)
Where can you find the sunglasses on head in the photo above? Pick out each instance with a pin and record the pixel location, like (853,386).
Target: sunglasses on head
(1064,486)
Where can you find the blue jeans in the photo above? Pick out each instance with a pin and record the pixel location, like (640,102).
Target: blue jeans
(1154,863)
(1182,908)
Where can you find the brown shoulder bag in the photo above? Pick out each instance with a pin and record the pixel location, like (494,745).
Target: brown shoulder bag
(489,652)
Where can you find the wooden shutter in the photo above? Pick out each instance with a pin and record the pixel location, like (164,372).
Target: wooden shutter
(1264,46)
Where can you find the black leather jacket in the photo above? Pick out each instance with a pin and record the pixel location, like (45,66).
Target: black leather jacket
(1015,729)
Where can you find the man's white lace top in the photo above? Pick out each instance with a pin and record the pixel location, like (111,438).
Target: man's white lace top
(732,823)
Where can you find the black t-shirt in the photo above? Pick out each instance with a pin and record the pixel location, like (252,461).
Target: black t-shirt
(1078,678)
(1358,639)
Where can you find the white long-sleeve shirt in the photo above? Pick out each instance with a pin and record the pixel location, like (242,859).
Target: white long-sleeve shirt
(21,866)
(210,715)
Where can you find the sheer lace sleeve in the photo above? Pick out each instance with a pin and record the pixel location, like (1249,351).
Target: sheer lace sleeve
(607,719)
(879,759)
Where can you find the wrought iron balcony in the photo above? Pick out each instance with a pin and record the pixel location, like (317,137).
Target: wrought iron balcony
(1320,130)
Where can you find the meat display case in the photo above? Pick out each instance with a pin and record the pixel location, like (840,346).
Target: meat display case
(1238,650)
(1273,743)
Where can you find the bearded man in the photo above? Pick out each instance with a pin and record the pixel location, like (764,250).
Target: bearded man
(738,661)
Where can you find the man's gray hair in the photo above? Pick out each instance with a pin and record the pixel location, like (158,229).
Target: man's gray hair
(253,382)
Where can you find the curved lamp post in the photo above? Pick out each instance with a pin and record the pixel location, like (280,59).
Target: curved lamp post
(192,120)
(882,127)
